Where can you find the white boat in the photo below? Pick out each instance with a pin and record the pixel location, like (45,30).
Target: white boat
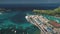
(40,22)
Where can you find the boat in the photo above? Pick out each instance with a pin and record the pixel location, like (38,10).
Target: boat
(42,23)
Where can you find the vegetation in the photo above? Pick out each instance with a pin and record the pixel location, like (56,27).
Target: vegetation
(49,12)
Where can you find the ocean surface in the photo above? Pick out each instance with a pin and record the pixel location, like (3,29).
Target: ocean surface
(14,20)
(53,18)
(31,6)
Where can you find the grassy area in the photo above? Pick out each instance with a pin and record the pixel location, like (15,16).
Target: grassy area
(49,12)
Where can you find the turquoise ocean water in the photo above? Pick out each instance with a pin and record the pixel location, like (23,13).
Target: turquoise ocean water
(52,18)
(14,20)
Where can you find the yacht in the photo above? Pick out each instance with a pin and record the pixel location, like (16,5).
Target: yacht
(42,23)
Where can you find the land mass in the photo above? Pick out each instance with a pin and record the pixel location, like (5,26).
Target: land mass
(54,12)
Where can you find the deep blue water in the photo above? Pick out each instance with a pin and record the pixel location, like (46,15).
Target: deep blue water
(30,6)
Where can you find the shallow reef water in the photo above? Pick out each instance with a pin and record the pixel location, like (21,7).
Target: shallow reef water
(52,18)
(14,22)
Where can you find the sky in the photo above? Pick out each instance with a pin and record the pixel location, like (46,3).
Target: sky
(28,1)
